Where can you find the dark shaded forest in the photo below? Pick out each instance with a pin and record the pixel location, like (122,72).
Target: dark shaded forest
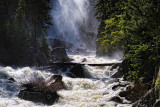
(23,28)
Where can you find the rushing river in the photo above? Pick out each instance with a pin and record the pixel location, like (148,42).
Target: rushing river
(94,91)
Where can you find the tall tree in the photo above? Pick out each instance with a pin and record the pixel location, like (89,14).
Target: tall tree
(39,16)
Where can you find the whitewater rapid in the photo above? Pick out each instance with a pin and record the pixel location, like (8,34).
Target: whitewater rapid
(95,91)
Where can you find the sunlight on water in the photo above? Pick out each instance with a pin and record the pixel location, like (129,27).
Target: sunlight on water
(80,92)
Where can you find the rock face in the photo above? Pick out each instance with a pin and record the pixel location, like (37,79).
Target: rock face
(150,99)
(117,73)
(59,55)
(42,91)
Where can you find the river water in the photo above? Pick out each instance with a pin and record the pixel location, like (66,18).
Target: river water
(93,91)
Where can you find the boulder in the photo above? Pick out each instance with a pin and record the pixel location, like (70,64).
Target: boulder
(84,60)
(41,90)
(59,55)
(11,79)
(55,85)
(123,94)
(120,85)
(78,71)
(41,97)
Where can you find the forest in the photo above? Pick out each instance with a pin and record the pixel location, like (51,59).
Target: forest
(23,25)
(134,27)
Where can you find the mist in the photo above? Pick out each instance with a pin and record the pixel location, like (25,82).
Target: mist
(72,23)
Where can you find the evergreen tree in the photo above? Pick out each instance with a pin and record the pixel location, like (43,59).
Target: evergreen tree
(133,26)
(44,47)
(39,16)
(18,34)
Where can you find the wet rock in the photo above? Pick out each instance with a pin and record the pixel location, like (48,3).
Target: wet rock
(116,99)
(115,66)
(119,85)
(11,79)
(78,71)
(59,55)
(41,97)
(117,74)
(42,91)
(84,60)
(129,87)
(123,94)
(56,85)
(105,93)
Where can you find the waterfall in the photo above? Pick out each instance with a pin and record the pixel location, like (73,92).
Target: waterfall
(73,22)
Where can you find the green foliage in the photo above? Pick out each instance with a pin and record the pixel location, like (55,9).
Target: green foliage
(114,35)
(157,81)
(111,28)
(44,47)
(133,26)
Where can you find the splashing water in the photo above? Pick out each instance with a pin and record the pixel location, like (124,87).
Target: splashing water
(81,92)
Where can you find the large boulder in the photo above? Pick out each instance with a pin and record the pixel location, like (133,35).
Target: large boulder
(56,85)
(59,55)
(42,97)
(41,90)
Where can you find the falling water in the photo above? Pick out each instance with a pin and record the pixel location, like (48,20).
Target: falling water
(72,22)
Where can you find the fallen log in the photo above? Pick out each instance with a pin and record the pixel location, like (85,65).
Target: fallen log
(69,64)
